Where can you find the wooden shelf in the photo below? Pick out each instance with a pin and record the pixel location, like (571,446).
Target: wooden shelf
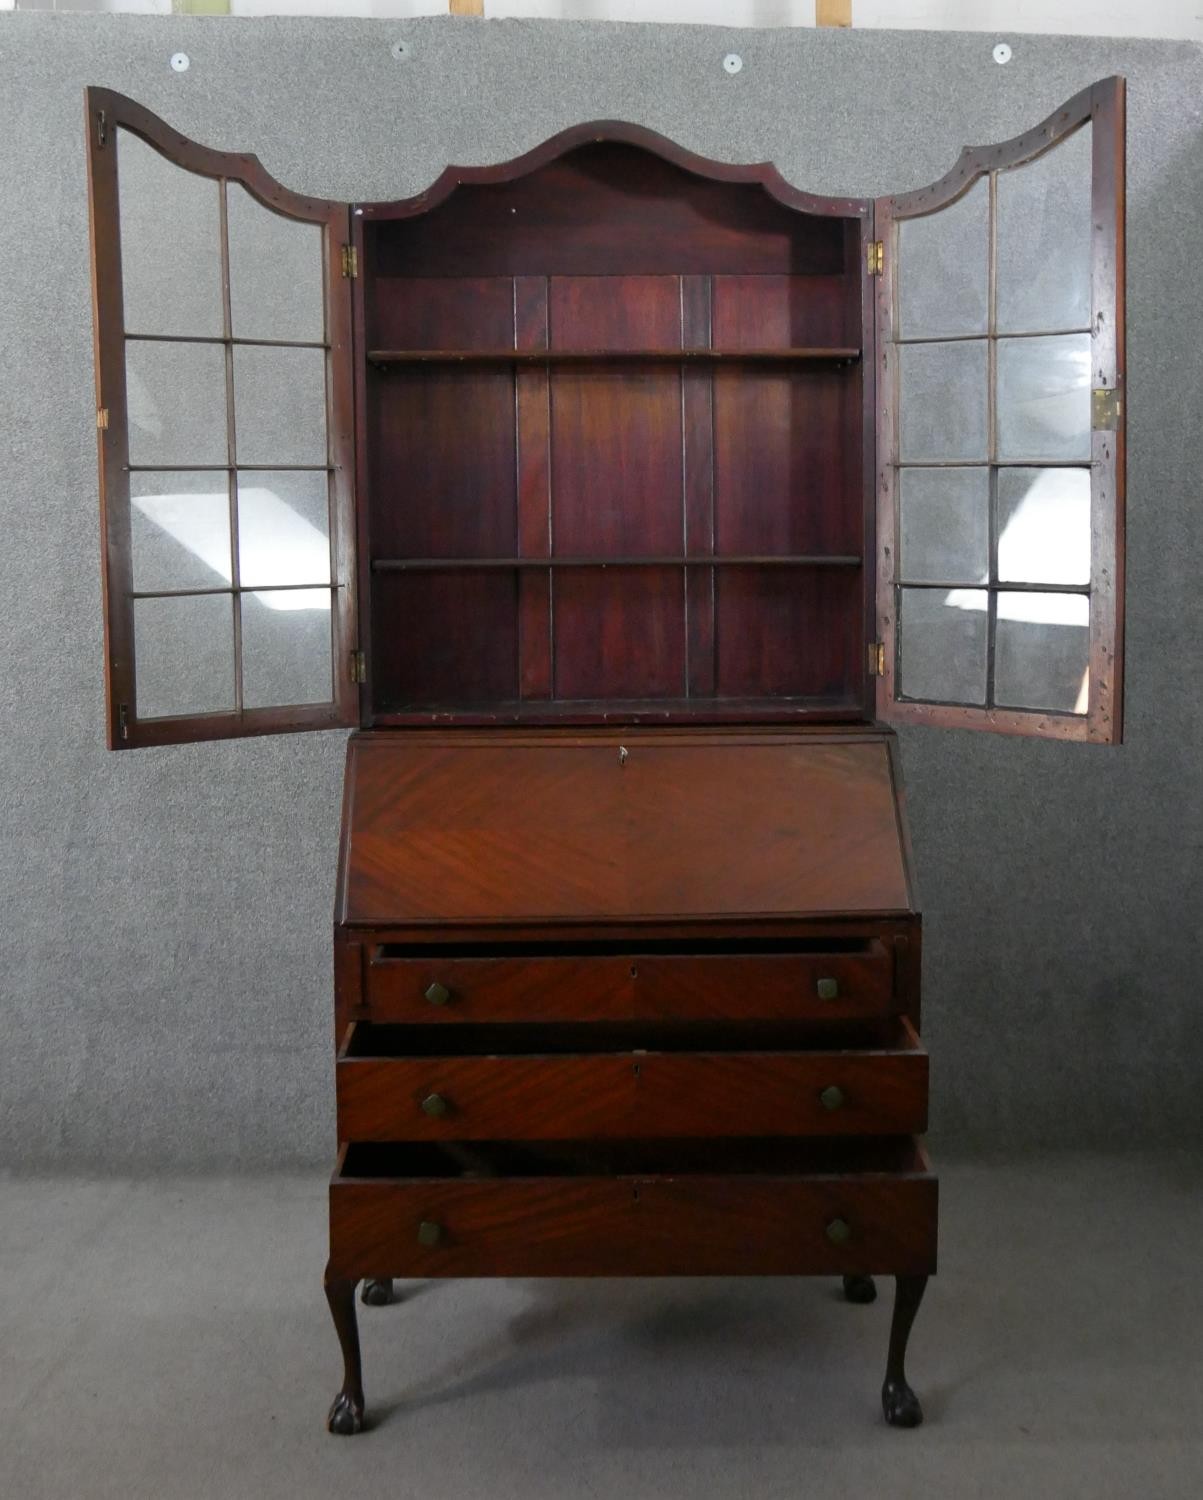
(825,708)
(387,357)
(453,564)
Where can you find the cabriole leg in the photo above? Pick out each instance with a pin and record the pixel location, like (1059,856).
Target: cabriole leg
(346,1415)
(377,1292)
(860,1289)
(898,1401)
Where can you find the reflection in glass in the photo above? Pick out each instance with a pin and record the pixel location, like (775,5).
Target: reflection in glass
(942,396)
(1042,652)
(176,403)
(280,405)
(1043,240)
(170,244)
(286,651)
(275,273)
(1044,398)
(943,264)
(283,528)
(942,645)
(1044,526)
(184,655)
(180,531)
(944,517)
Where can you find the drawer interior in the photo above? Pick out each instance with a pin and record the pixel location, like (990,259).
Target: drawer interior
(783,1157)
(866,947)
(519,1039)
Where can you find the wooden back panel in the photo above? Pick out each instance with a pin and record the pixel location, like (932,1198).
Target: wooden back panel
(497,488)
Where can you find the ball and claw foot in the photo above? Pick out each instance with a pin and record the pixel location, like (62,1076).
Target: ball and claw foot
(900,1404)
(898,1401)
(346,1416)
(861,1289)
(377,1293)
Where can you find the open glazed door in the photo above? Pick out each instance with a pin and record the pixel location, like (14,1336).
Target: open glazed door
(1000,341)
(224,409)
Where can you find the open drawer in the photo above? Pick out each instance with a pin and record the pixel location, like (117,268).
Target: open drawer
(636,1208)
(825,979)
(399,1083)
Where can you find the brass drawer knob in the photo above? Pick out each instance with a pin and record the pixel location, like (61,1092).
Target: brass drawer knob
(839,1231)
(832,1097)
(434,1104)
(438,994)
(829,989)
(429,1233)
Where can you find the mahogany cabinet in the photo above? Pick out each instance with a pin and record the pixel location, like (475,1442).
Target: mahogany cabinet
(621,500)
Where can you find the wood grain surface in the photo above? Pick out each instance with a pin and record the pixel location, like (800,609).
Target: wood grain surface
(638,1093)
(653,1225)
(630,986)
(510,828)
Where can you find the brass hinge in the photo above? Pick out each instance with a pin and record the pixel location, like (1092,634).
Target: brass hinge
(1106,409)
(102,129)
(350,261)
(102,418)
(359,667)
(122,721)
(877,659)
(875,253)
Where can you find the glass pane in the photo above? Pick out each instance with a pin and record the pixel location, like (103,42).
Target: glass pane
(943,269)
(275,272)
(283,528)
(280,405)
(1043,240)
(1044,525)
(286,648)
(942,395)
(1044,397)
(942,645)
(170,244)
(180,531)
(176,403)
(1042,652)
(184,655)
(945,525)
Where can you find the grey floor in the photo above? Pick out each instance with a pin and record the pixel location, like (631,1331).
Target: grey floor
(168,1338)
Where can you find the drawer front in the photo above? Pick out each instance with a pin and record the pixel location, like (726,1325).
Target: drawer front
(630,1095)
(711,1226)
(606,987)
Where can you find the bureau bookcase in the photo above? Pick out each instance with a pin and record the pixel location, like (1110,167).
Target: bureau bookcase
(620,500)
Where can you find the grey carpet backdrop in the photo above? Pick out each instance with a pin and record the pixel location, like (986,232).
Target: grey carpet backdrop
(165,959)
